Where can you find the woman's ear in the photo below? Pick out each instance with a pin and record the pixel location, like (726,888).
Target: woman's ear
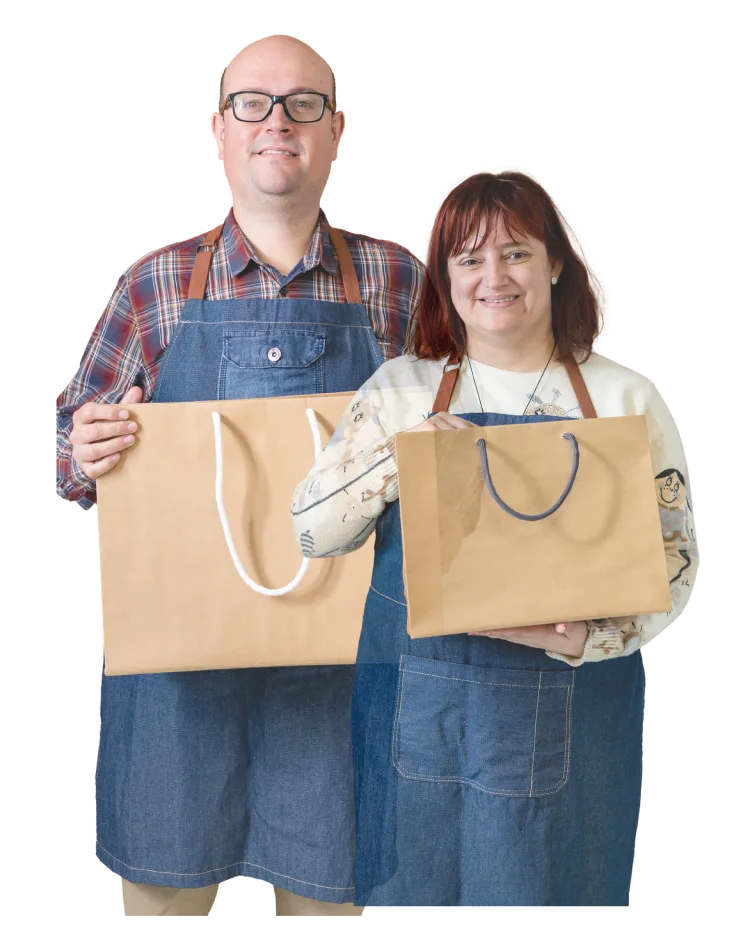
(556,266)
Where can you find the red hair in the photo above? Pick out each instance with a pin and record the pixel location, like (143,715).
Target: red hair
(474,208)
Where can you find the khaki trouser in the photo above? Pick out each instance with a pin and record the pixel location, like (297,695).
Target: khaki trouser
(141,900)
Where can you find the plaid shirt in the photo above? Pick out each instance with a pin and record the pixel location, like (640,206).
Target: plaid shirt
(128,342)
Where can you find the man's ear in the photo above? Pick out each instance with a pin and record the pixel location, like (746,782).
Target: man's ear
(219,128)
(339,121)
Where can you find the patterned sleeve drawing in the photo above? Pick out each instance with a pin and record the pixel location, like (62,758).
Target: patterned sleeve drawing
(335,507)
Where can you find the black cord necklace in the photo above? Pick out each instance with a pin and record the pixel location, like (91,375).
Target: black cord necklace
(474,381)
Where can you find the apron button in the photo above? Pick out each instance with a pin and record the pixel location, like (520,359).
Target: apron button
(282,292)
(274,354)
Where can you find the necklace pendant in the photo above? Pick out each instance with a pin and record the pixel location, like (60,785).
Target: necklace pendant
(547,409)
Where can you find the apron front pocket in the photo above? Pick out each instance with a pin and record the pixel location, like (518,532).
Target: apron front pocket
(271,363)
(503,731)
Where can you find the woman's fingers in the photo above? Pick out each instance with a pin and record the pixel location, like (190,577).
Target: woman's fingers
(447,421)
(442,421)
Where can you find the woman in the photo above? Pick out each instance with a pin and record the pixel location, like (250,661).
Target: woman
(473,785)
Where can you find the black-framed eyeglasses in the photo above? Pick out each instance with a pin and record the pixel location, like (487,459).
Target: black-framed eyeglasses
(252,106)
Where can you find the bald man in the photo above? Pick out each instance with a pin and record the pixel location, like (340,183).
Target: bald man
(214,774)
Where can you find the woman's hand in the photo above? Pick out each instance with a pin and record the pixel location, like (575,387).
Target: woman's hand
(566,638)
(442,421)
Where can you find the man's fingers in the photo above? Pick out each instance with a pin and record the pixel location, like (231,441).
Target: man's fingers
(91,452)
(133,395)
(91,412)
(94,470)
(101,430)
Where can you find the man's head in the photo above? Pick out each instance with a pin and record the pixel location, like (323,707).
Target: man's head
(276,158)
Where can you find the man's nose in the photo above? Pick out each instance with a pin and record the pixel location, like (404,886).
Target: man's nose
(277,121)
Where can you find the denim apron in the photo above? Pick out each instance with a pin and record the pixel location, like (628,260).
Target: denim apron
(488,773)
(207,775)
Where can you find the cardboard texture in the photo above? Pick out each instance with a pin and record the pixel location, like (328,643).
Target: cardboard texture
(470,566)
(172,598)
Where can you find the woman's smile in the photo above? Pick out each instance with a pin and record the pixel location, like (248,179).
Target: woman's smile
(499,301)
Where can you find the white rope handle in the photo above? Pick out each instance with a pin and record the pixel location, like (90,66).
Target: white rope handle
(256,587)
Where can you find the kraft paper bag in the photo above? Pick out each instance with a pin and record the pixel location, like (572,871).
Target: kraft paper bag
(471,566)
(173,599)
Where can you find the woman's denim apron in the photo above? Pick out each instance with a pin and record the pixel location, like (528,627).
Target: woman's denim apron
(488,773)
(212,774)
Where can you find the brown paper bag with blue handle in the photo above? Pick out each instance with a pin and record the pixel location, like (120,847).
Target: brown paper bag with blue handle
(474,561)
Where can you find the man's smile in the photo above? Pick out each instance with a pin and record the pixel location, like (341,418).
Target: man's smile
(287,152)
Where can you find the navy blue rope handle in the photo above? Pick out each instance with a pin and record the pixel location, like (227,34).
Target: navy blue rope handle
(520,515)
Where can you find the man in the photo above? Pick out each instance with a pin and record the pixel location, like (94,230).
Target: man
(208,775)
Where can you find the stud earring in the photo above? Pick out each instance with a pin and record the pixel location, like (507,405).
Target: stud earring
(554,279)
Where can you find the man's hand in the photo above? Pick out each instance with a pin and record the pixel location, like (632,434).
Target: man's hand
(101,431)
(566,638)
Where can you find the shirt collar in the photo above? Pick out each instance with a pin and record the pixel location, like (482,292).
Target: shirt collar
(240,253)
(328,258)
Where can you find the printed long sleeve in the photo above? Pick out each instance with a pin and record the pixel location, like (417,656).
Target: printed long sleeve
(335,507)
(111,364)
(615,637)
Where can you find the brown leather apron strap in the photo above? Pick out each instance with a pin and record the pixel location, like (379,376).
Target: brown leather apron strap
(201,268)
(451,372)
(579,388)
(347,269)
(204,257)
(446,387)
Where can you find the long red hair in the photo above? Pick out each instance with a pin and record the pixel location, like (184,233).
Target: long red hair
(473,208)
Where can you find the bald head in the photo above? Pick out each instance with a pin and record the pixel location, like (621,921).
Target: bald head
(270,56)
(277,163)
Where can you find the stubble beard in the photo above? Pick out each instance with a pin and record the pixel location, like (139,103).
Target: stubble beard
(289,198)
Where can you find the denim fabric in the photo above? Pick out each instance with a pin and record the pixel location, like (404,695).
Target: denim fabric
(221,350)
(207,775)
(488,773)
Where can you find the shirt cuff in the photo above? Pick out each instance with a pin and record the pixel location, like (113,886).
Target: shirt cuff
(386,471)
(77,487)
(604,641)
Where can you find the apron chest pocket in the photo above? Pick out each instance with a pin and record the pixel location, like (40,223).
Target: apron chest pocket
(503,731)
(270,364)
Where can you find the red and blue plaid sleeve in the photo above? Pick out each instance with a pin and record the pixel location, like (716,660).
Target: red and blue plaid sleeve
(391,281)
(111,364)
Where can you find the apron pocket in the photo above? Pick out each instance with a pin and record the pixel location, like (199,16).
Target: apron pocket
(269,363)
(503,731)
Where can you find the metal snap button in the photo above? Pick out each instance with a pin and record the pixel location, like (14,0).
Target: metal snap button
(274,354)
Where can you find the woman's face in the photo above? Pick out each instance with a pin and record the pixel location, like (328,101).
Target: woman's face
(502,290)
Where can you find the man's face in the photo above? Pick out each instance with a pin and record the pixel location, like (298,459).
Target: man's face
(277,157)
